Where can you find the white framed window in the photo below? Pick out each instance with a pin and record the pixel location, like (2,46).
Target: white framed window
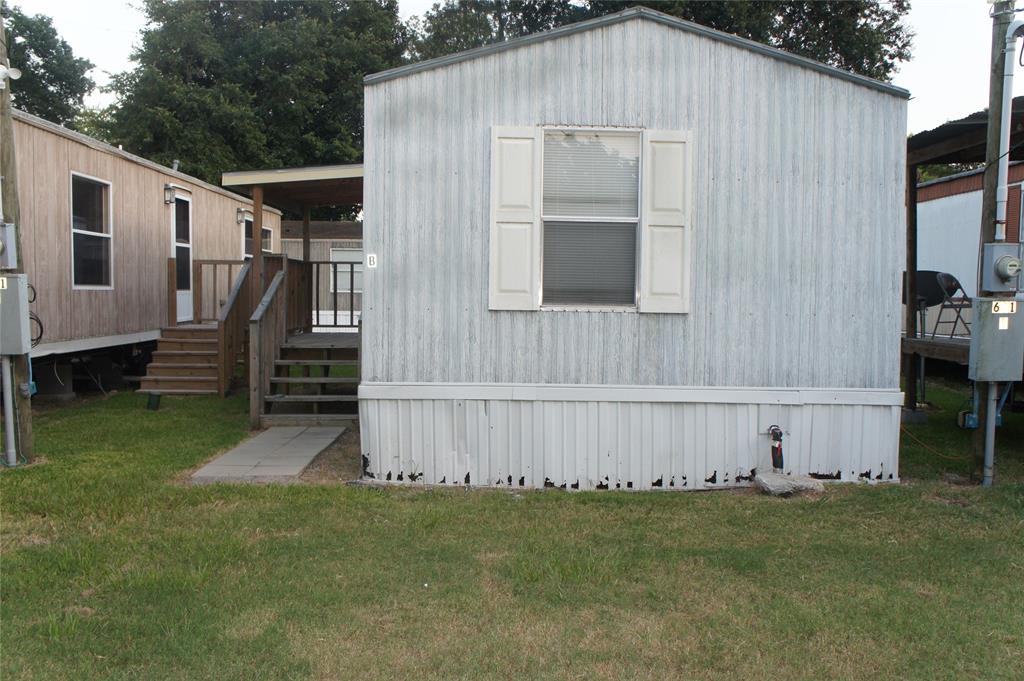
(350,272)
(590,219)
(91,233)
(590,213)
(266,242)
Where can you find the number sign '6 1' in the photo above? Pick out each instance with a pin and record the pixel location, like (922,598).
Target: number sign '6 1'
(1004,307)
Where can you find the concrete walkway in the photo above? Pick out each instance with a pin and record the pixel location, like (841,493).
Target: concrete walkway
(277,454)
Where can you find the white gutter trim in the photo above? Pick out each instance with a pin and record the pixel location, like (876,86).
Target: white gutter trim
(546,392)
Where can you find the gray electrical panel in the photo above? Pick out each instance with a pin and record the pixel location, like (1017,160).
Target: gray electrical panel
(14,331)
(997,340)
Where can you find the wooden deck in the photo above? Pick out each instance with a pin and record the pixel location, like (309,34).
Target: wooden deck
(947,349)
(333,340)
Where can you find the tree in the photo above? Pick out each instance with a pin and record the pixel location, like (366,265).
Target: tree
(230,85)
(54,82)
(863,36)
(457,26)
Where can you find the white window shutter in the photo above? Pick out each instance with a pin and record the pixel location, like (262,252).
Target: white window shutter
(665,222)
(515,219)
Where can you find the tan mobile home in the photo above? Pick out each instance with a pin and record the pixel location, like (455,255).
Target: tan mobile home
(99,226)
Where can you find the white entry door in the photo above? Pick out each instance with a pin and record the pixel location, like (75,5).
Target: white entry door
(181,235)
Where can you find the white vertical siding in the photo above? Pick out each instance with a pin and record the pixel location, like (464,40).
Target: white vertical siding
(698,442)
(798,218)
(948,237)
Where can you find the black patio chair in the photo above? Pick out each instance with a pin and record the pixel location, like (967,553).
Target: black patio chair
(950,286)
(929,294)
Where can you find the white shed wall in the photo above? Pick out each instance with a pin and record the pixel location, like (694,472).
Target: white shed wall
(948,236)
(798,218)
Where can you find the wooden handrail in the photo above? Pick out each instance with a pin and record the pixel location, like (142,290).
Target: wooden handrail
(231,321)
(267,332)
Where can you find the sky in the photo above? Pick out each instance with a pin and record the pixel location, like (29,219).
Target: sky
(947,77)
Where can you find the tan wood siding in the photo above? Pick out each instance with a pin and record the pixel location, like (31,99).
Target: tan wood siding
(141,228)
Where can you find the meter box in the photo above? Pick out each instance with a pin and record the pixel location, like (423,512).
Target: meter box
(14,331)
(997,340)
(1001,267)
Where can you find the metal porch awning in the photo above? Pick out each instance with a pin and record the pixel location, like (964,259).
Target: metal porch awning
(297,189)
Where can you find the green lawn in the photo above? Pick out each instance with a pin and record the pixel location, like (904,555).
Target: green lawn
(114,569)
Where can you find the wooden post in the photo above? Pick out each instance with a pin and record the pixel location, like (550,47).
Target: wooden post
(197,292)
(305,233)
(172,291)
(1002,15)
(11,211)
(257,246)
(910,362)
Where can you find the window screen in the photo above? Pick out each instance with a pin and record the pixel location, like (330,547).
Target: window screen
(90,232)
(590,212)
(266,242)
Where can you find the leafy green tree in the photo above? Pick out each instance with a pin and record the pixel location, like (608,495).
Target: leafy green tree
(54,82)
(864,36)
(455,26)
(233,85)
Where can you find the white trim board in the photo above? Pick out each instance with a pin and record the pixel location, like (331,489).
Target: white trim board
(546,392)
(94,343)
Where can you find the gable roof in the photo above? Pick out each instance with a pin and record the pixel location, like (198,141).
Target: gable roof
(635,13)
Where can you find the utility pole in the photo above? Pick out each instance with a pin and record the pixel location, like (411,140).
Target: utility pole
(1002,15)
(12,214)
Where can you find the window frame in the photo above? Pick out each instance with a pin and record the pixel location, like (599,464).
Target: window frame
(543,218)
(247,216)
(109,234)
(359,262)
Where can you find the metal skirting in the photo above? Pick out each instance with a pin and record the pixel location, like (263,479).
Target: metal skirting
(543,436)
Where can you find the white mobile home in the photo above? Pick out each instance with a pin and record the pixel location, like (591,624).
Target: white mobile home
(614,254)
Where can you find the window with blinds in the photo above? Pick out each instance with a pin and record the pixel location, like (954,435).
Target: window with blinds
(590,213)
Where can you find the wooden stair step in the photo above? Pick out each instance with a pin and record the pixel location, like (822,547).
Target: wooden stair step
(267,420)
(186,344)
(311,398)
(186,332)
(185,353)
(316,362)
(314,379)
(157,383)
(184,369)
(175,391)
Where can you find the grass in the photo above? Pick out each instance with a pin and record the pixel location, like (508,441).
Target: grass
(114,569)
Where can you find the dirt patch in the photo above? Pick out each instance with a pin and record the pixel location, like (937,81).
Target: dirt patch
(341,462)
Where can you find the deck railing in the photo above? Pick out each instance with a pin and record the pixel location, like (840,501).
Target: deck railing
(336,286)
(232,321)
(268,329)
(212,282)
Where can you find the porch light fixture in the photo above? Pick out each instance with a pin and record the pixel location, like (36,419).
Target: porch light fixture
(8,72)
(168,193)
(239,215)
